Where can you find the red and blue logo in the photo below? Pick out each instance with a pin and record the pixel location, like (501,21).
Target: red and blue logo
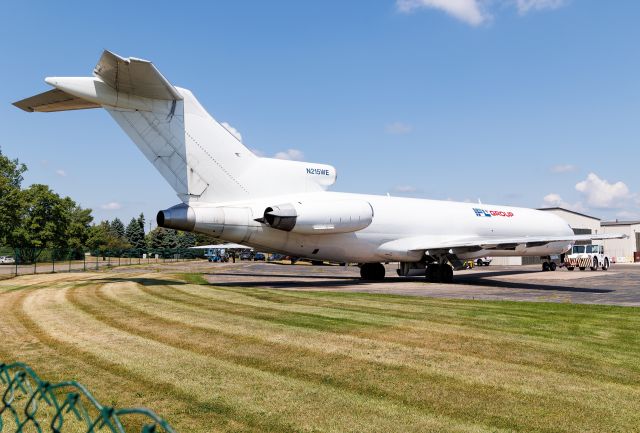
(491,213)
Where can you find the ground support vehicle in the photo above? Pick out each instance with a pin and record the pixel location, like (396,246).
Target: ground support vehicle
(587,256)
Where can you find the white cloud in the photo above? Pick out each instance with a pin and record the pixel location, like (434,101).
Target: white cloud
(468,11)
(232,130)
(290,154)
(563,168)
(112,205)
(475,12)
(601,194)
(525,6)
(398,128)
(554,200)
(61,173)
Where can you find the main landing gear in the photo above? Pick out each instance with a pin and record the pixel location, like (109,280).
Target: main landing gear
(439,273)
(372,271)
(549,266)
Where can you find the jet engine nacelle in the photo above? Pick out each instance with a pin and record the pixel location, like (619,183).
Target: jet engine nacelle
(318,217)
(231,222)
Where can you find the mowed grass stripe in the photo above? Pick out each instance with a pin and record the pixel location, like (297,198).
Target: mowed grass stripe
(291,362)
(452,363)
(570,357)
(251,390)
(254,355)
(533,319)
(389,381)
(166,399)
(520,316)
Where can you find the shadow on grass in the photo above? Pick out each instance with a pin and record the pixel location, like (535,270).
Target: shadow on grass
(141,281)
(333,281)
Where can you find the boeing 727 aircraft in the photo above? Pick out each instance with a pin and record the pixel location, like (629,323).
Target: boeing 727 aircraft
(223,189)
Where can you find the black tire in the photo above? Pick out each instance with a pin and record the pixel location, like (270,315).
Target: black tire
(446,274)
(594,266)
(582,268)
(372,271)
(570,268)
(553,266)
(479,262)
(432,273)
(606,264)
(545,266)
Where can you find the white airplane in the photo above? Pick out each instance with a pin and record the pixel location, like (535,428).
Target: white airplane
(284,206)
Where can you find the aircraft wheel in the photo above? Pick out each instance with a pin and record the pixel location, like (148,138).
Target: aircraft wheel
(553,266)
(605,266)
(372,271)
(595,264)
(432,273)
(446,274)
(545,266)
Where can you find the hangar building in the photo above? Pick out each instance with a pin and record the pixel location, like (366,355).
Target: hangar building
(621,250)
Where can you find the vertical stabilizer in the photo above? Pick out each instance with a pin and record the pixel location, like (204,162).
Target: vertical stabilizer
(198,157)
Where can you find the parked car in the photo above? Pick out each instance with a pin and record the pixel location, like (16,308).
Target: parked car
(258,257)
(6,260)
(276,257)
(484,261)
(245,255)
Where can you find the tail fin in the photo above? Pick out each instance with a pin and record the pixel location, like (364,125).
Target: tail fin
(199,158)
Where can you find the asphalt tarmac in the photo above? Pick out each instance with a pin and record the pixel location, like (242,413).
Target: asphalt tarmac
(620,285)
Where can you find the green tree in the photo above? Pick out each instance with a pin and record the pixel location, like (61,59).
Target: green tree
(135,234)
(78,230)
(163,241)
(11,199)
(186,240)
(43,222)
(117,227)
(141,221)
(103,240)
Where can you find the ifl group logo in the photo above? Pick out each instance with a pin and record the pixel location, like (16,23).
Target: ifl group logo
(491,213)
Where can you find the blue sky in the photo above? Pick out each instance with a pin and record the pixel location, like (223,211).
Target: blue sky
(519,102)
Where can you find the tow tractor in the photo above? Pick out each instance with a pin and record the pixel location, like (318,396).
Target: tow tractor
(587,256)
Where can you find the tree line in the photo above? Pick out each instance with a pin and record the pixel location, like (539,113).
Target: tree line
(35,219)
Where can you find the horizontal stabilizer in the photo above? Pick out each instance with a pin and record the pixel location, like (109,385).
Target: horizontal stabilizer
(54,100)
(134,76)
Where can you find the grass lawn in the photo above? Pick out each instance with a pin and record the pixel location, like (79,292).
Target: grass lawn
(212,359)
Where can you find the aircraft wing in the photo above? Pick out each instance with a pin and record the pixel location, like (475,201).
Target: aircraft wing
(459,245)
(54,100)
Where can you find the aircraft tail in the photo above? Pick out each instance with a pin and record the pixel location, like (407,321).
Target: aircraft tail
(198,157)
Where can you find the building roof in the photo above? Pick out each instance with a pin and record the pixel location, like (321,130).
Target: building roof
(570,211)
(619,223)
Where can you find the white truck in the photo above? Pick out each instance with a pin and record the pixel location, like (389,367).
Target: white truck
(587,256)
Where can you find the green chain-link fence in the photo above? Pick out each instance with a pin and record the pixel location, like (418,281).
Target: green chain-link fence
(54,260)
(30,404)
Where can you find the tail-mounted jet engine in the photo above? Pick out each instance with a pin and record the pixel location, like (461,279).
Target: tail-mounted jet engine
(318,217)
